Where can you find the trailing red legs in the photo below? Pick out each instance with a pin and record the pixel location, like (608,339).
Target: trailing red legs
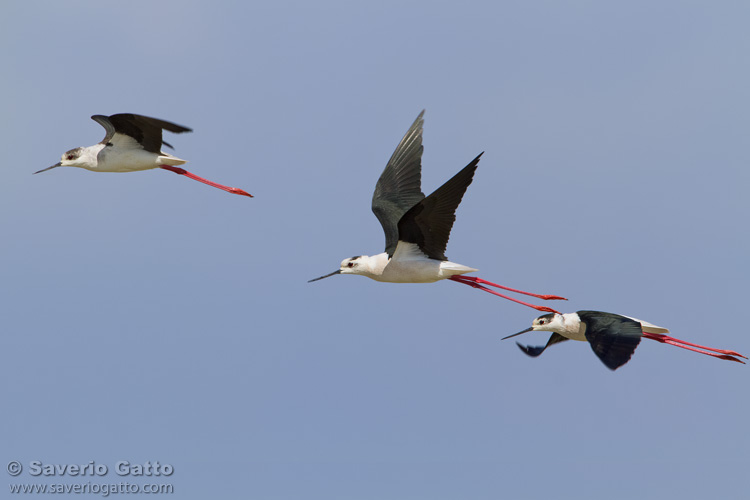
(477,283)
(717,353)
(182,171)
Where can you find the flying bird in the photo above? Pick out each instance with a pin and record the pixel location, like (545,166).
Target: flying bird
(612,337)
(132,143)
(416,227)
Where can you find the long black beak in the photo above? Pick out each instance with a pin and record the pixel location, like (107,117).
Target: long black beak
(338,271)
(48,168)
(519,333)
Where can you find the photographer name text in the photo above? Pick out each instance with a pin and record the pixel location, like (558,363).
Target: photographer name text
(92,468)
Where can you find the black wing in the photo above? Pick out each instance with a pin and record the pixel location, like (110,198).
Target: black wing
(145,130)
(535,351)
(399,187)
(429,222)
(612,337)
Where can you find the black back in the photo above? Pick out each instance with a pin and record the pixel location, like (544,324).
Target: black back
(145,130)
(429,222)
(535,351)
(399,186)
(612,337)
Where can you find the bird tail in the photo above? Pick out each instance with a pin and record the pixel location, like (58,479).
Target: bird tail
(451,268)
(166,159)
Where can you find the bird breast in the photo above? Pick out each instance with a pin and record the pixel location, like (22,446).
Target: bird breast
(572,327)
(421,271)
(115,159)
(417,271)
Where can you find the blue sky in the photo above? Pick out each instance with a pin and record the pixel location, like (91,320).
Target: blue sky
(149,317)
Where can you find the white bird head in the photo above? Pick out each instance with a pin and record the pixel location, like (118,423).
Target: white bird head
(548,323)
(73,158)
(359,264)
(552,322)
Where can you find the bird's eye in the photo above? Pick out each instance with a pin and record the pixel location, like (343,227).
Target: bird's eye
(351,264)
(70,157)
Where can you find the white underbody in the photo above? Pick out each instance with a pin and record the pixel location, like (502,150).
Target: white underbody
(408,265)
(124,155)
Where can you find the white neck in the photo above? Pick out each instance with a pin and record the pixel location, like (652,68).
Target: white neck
(568,325)
(89,157)
(373,266)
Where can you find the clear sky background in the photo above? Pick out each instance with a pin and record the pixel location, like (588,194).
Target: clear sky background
(149,317)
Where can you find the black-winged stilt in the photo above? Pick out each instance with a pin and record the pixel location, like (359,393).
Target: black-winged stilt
(132,143)
(613,337)
(416,227)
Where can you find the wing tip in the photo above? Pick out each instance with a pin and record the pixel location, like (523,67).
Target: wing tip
(530,351)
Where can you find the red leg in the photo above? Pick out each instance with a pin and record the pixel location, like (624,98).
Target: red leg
(717,353)
(182,171)
(472,283)
(480,280)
